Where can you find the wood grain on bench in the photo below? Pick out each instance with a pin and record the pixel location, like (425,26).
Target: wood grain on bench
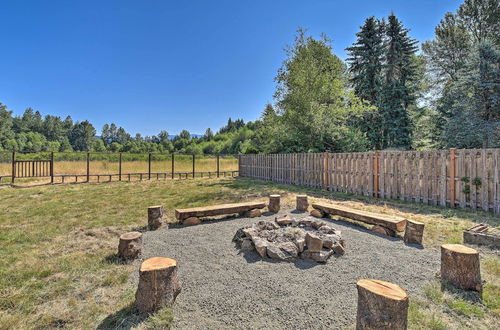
(389,221)
(221,209)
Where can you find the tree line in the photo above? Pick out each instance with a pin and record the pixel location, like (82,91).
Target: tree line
(389,94)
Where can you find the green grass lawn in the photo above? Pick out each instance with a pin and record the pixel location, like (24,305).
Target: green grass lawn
(58,244)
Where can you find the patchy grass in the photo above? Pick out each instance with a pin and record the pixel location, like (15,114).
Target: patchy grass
(58,266)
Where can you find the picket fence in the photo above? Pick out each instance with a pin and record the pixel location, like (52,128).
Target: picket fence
(466,178)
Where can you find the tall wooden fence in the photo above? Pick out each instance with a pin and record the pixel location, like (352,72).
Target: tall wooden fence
(466,178)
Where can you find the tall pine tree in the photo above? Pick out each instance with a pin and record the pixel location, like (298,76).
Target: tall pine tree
(399,92)
(365,67)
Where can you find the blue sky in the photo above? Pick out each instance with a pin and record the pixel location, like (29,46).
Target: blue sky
(153,65)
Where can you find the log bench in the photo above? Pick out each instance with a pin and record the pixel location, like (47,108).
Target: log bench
(381,221)
(206,211)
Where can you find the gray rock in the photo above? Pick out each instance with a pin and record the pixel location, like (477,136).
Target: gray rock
(313,242)
(300,243)
(321,256)
(325,229)
(285,251)
(250,232)
(338,249)
(290,248)
(261,246)
(283,221)
(317,224)
(246,244)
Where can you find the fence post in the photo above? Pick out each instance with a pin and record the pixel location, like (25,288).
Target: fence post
(376,155)
(326,169)
(452,177)
(52,167)
(193,165)
(120,167)
(13,167)
(218,166)
(173,162)
(149,166)
(88,166)
(239,165)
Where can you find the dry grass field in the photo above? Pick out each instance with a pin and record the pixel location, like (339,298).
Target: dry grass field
(159,164)
(58,243)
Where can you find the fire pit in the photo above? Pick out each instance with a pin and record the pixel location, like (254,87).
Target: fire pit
(287,239)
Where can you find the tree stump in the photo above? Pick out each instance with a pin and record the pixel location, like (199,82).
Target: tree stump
(381,305)
(130,245)
(274,203)
(460,267)
(302,203)
(155,217)
(159,284)
(414,232)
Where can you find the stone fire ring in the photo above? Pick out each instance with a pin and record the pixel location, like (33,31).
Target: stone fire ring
(287,239)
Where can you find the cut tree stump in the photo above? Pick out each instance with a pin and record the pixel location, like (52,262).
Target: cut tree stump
(381,305)
(274,203)
(159,284)
(130,245)
(460,267)
(414,232)
(302,203)
(155,217)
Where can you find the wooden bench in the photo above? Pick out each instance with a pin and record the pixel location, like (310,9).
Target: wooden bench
(206,211)
(391,222)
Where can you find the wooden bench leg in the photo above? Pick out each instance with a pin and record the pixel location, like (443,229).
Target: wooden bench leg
(383,230)
(191,221)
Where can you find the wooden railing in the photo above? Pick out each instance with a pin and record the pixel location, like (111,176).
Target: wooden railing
(468,178)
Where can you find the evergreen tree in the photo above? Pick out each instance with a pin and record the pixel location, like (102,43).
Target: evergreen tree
(82,135)
(398,92)
(208,134)
(365,60)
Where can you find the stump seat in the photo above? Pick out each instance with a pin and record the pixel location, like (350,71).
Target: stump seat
(460,266)
(381,305)
(391,222)
(159,284)
(130,245)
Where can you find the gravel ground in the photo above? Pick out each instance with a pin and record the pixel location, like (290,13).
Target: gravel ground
(224,287)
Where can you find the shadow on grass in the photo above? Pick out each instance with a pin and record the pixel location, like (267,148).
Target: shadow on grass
(474,297)
(115,259)
(126,318)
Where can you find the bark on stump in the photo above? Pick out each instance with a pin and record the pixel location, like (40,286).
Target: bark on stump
(155,217)
(414,232)
(381,305)
(460,267)
(159,284)
(130,245)
(274,203)
(302,203)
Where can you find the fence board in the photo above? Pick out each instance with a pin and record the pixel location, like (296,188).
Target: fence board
(416,176)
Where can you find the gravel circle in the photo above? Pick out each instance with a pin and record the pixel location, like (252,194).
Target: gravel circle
(224,287)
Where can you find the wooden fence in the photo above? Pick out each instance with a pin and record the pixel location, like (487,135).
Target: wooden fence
(466,178)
